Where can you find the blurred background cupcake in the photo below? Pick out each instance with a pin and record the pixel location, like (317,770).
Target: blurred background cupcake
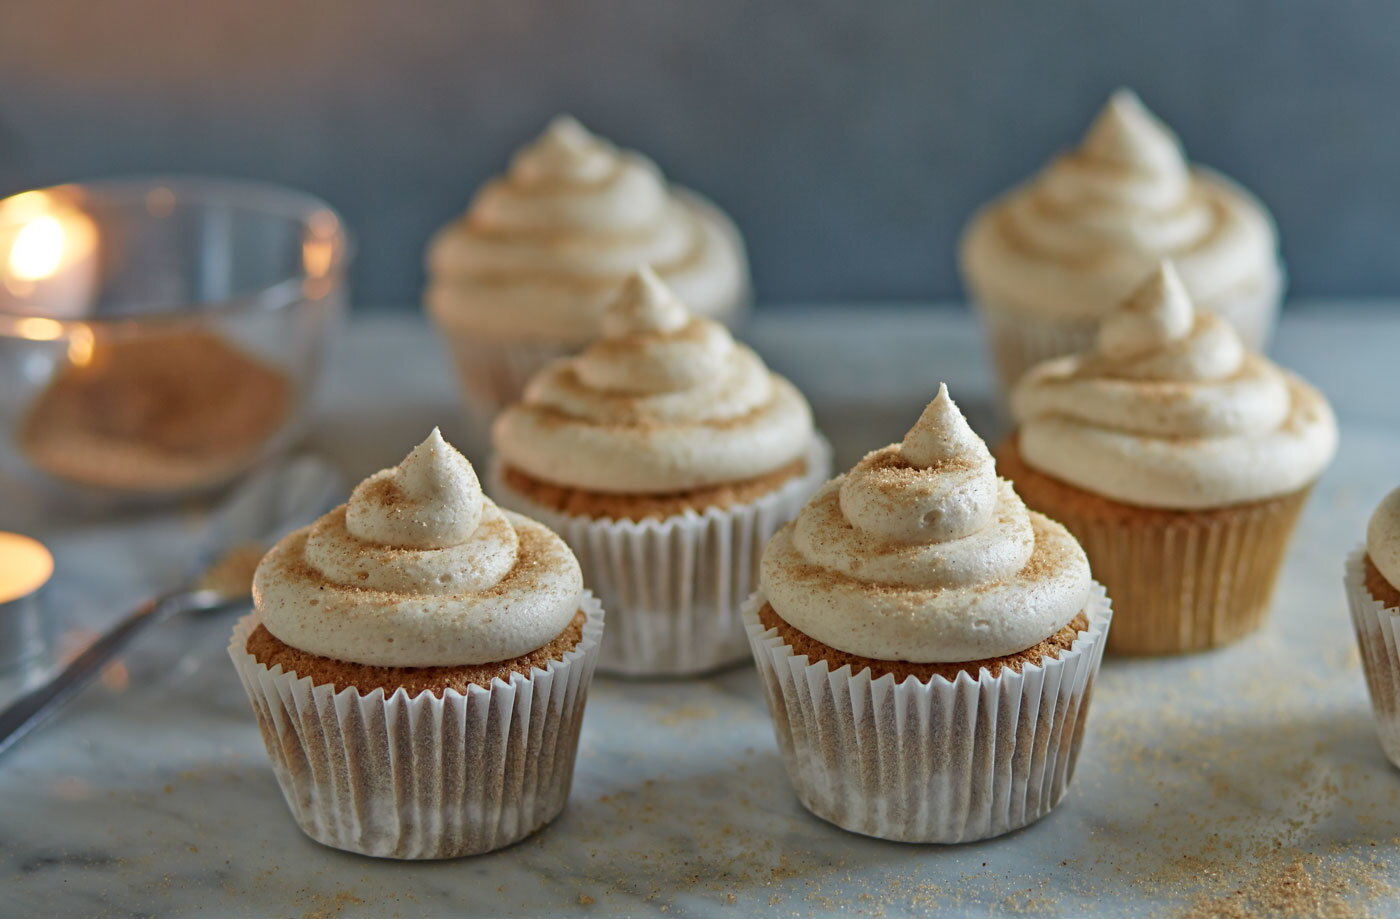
(1179,458)
(526,274)
(1373,594)
(666,454)
(1046,261)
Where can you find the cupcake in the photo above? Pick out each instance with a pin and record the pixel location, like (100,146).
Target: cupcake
(527,274)
(1373,593)
(665,454)
(927,644)
(1046,261)
(1180,460)
(418,661)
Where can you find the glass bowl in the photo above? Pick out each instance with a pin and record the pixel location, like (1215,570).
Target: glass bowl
(160,336)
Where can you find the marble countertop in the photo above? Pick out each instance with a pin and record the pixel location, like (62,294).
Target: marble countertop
(1235,780)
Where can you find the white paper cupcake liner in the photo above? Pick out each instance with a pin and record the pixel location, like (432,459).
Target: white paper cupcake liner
(1378,637)
(1020,340)
(939,761)
(675,588)
(422,776)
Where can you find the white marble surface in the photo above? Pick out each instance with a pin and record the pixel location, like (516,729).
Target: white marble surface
(1252,769)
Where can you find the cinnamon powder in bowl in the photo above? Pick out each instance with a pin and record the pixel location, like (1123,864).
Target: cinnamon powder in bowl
(166,411)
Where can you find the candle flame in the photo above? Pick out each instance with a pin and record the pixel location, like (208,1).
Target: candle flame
(44,235)
(38,248)
(25,565)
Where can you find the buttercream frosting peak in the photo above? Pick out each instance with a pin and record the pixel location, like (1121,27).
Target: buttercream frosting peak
(901,560)
(564,132)
(942,434)
(565,151)
(1127,134)
(429,501)
(644,304)
(1156,314)
(542,251)
(664,402)
(1170,410)
(419,569)
(1079,236)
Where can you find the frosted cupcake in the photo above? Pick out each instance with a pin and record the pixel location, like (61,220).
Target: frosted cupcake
(1181,461)
(1373,593)
(527,273)
(418,661)
(927,645)
(665,454)
(1046,261)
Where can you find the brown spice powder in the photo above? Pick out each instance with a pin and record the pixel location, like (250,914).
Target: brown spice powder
(160,411)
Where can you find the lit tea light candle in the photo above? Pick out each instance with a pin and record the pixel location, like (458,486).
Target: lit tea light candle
(25,566)
(48,256)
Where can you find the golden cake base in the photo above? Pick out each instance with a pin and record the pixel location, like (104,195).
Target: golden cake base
(1180,580)
(270,651)
(802,643)
(578,502)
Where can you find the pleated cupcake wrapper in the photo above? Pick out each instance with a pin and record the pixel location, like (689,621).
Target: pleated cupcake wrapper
(1020,340)
(674,588)
(938,761)
(1194,583)
(395,776)
(1378,637)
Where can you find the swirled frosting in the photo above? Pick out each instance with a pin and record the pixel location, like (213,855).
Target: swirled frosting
(663,402)
(1080,236)
(1170,410)
(543,249)
(920,553)
(419,569)
(1383,538)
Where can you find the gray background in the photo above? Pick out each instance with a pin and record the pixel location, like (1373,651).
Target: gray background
(849,139)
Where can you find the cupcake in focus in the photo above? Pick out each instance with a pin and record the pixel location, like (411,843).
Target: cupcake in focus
(665,454)
(927,645)
(1045,262)
(526,274)
(1373,594)
(1179,458)
(418,661)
